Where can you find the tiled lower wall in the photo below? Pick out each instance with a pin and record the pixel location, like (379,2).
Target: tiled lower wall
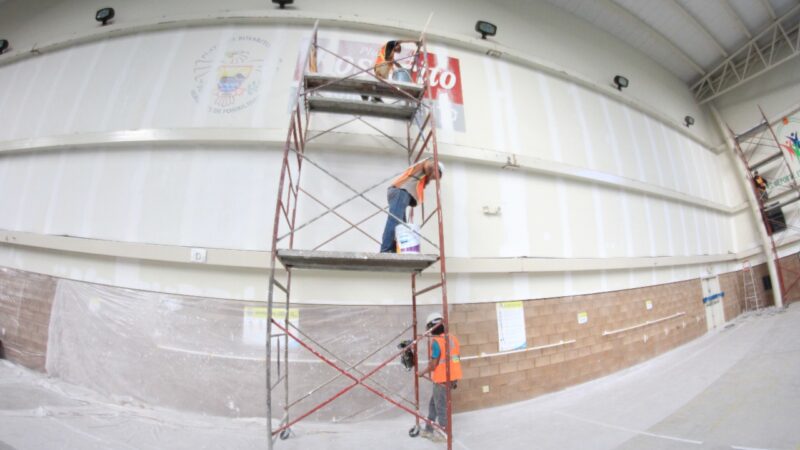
(502,379)
(790,266)
(26,300)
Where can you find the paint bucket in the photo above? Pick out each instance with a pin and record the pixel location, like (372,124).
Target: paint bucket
(402,75)
(407,238)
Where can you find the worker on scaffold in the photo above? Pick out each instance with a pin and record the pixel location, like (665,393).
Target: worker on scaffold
(407,190)
(437,408)
(761,185)
(385,62)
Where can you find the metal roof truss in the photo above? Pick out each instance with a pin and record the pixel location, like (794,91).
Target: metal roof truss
(775,45)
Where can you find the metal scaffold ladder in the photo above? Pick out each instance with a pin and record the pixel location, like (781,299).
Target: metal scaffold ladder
(410,103)
(751,302)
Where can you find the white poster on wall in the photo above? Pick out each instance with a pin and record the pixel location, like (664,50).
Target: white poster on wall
(511,326)
(254,326)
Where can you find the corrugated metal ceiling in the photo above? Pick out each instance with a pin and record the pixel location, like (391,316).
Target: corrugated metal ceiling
(687,37)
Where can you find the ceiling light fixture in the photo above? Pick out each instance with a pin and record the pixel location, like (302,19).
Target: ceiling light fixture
(283,3)
(104,15)
(485,28)
(620,82)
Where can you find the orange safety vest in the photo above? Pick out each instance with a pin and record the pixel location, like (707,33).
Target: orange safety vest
(440,372)
(423,180)
(382,67)
(381,55)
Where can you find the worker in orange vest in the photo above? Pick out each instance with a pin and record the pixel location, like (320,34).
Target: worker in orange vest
(407,190)
(437,408)
(385,62)
(761,185)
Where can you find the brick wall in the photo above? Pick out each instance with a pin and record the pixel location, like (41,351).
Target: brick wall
(733,286)
(524,375)
(733,302)
(25,303)
(790,270)
(765,298)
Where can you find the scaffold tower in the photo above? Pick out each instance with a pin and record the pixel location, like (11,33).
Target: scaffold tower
(772,171)
(359,97)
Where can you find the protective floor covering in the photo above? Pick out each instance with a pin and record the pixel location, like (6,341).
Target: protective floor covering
(738,388)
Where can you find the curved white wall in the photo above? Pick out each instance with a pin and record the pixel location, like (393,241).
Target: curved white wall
(599,180)
(538,31)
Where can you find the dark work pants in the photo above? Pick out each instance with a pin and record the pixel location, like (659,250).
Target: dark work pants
(437,408)
(399,200)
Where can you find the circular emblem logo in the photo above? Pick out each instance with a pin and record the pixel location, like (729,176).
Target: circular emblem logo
(227,79)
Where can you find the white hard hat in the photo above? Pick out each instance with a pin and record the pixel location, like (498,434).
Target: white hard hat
(434,316)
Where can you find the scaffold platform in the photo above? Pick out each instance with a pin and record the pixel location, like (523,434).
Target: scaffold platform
(363,86)
(398,111)
(372,262)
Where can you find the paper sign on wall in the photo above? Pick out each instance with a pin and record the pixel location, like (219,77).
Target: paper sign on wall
(254,327)
(511,326)
(648,304)
(583,317)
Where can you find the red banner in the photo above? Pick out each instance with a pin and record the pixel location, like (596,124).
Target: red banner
(444,77)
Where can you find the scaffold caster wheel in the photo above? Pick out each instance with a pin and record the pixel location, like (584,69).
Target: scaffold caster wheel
(414,431)
(285,434)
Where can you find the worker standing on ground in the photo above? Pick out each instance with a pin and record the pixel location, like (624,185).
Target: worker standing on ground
(385,62)
(407,190)
(437,408)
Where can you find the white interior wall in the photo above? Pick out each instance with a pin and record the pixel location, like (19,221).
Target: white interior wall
(536,29)
(556,122)
(223,197)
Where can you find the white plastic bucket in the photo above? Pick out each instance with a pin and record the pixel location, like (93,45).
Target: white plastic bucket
(407,238)
(402,75)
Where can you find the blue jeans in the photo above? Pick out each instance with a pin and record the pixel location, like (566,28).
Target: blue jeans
(399,200)
(437,407)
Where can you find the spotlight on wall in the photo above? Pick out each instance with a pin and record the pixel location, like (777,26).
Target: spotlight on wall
(688,121)
(283,3)
(3,45)
(620,82)
(485,28)
(104,15)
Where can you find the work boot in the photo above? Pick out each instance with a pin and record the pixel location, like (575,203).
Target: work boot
(432,435)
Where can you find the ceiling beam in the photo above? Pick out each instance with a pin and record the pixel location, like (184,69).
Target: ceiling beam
(783,45)
(688,16)
(768,7)
(735,16)
(622,11)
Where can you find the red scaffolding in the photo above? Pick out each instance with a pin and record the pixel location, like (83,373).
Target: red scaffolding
(763,155)
(405,101)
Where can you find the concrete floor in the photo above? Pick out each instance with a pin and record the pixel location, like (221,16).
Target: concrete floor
(738,388)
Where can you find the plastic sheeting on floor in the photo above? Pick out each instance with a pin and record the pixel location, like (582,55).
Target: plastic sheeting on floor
(37,412)
(748,371)
(208,355)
